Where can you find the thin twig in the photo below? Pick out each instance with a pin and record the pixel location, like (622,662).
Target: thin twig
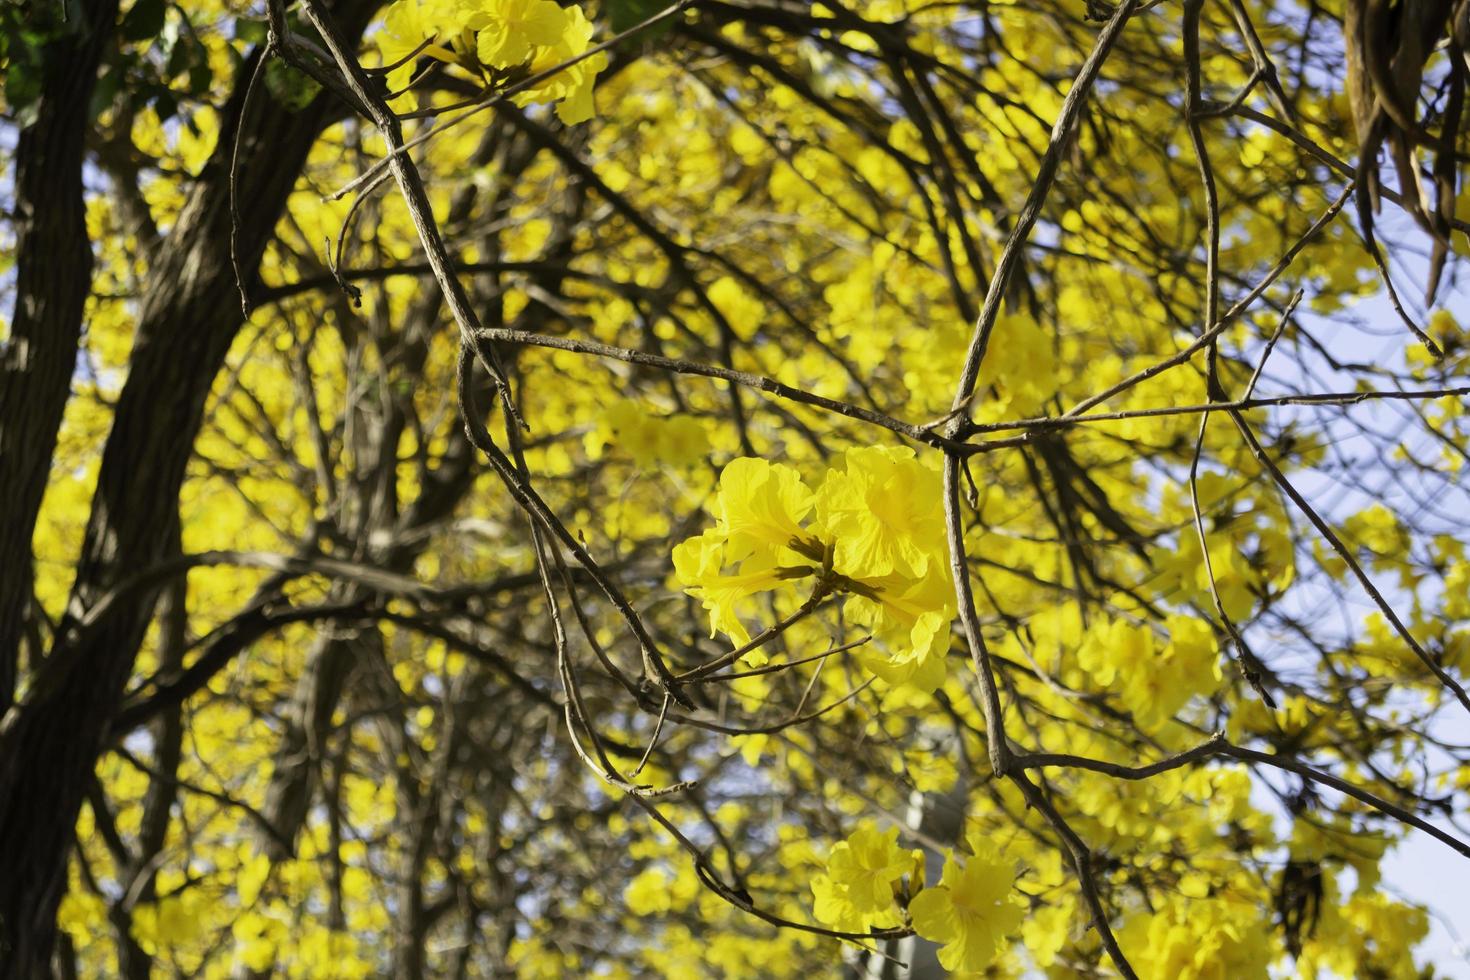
(758,382)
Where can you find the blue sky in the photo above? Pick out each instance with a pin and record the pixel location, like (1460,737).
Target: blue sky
(1421,868)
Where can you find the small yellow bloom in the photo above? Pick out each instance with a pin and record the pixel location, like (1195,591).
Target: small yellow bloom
(971,911)
(512,30)
(867,864)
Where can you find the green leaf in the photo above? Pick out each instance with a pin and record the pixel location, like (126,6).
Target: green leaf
(289,86)
(22,90)
(625,14)
(251,31)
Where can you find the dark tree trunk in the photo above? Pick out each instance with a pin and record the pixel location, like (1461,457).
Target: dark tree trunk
(53,277)
(190,313)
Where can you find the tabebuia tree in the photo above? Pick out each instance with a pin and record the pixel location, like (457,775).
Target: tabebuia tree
(737,488)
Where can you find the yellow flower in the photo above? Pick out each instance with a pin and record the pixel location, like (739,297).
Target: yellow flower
(573,86)
(911,616)
(1021,366)
(761,507)
(1153,683)
(892,566)
(576,101)
(867,864)
(697,567)
(971,911)
(833,906)
(511,30)
(1116,647)
(649,438)
(648,893)
(857,892)
(883,511)
(532,35)
(407,25)
(1206,941)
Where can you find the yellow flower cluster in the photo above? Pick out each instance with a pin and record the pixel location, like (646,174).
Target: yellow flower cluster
(1179,941)
(972,911)
(510,38)
(649,438)
(872,531)
(1154,682)
(864,880)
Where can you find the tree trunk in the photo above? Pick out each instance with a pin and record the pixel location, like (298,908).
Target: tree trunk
(53,277)
(190,313)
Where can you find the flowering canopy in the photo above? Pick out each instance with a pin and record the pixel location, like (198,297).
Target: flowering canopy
(785,489)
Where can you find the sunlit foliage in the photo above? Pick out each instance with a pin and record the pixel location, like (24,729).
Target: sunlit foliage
(844,515)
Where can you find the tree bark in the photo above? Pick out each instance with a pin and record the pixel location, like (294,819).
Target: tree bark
(53,278)
(189,315)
